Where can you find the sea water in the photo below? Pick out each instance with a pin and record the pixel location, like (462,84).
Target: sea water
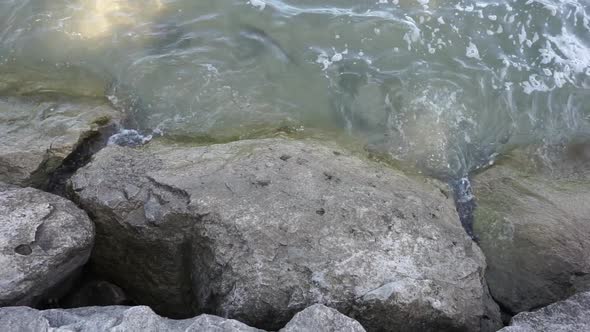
(444,85)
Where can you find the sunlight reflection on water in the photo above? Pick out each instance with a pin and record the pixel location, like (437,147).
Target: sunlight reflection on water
(444,85)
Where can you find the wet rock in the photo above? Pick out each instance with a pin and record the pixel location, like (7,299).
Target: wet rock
(234,230)
(28,79)
(453,146)
(43,240)
(116,318)
(319,318)
(533,220)
(39,134)
(571,315)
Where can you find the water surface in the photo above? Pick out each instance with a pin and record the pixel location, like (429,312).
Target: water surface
(443,84)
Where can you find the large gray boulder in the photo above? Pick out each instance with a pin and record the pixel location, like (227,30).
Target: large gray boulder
(319,318)
(39,133)
(571,315)
(258,230)
(533,221)
(43,240)
(111,319)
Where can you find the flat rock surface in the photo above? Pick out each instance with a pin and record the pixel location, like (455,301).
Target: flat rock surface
(533,219)
(571,315)
(38,134)
(113,319)
(259,230)
(43,239)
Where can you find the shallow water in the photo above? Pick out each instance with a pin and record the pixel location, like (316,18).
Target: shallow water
(444,85)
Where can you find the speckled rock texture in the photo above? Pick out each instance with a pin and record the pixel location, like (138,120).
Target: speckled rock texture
(258,230)
(571,315)
(319,318)
(111,319)
(43,240)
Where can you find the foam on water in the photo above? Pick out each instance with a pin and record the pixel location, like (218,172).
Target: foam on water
(442,84)
(129,137)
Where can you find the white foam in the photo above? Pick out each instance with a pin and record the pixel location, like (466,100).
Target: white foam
(472,51)
(260,4)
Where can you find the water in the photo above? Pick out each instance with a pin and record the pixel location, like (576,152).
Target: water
(443,85)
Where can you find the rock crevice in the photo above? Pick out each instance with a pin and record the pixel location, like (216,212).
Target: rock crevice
(46,138)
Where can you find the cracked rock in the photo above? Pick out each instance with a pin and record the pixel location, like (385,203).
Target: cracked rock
(191,229)
(43,240)
(38,134)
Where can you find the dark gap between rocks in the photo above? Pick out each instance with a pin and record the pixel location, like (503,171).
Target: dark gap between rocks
(81,156)
(505,313)
(84,288)
(465,204)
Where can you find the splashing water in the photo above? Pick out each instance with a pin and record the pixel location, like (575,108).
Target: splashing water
(442,85)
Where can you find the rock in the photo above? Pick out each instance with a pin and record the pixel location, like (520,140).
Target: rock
(43,240)
(258,230)
(319,318)
(115,318)
(533,220)
(39,134)
(571,315)
(28,78)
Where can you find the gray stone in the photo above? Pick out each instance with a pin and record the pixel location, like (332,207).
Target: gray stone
(258,230)
(319,318)
(43,240)
(38,134)
(571,315)
(533,221)
(112,319)
(40,78)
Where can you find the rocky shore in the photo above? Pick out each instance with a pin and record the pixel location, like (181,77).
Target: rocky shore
(276,233)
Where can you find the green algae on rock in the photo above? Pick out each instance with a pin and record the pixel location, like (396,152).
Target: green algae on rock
(533,220)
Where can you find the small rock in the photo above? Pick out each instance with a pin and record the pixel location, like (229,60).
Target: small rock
(319,318)
(571,315)
(43,240)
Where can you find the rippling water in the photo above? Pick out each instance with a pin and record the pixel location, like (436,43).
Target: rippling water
(442,84)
